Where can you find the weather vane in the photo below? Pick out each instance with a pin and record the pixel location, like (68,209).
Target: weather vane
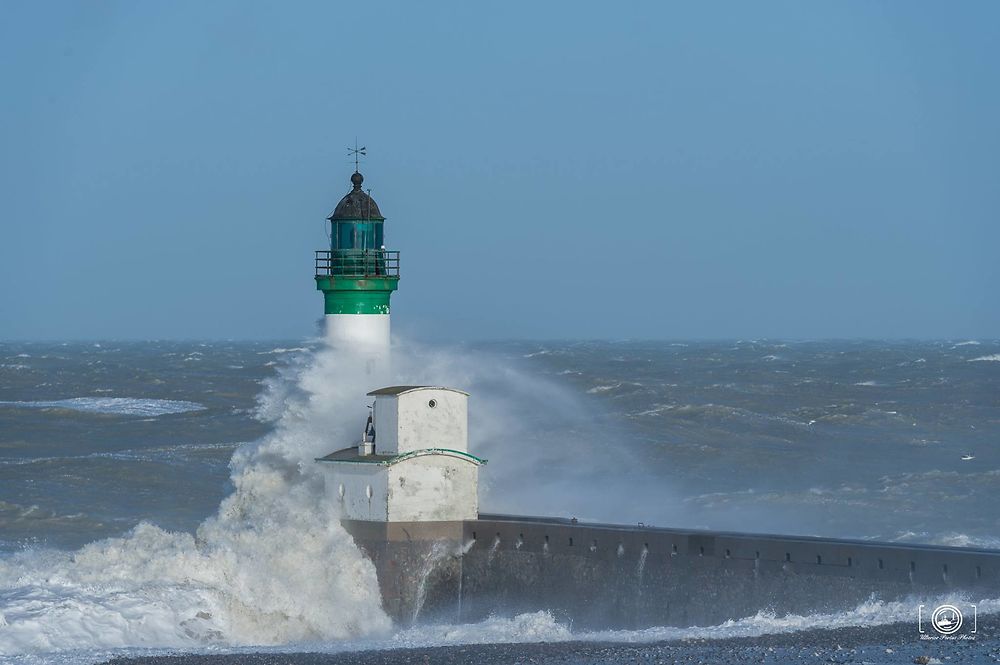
(358,153)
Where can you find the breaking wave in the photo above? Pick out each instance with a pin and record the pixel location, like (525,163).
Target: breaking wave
(271,567)
(951,539)
(991,358)
(118,406)
(543,627)
(236,582)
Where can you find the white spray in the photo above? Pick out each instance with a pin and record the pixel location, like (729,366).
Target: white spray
(550,452)
(272,566)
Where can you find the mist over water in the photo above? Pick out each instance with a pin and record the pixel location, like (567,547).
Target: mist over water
(550,451)
(145,446)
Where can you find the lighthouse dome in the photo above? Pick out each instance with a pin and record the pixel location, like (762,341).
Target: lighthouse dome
(357,205)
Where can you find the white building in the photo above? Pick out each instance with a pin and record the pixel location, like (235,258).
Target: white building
(419,467)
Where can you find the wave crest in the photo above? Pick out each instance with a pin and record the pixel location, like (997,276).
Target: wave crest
(117,406)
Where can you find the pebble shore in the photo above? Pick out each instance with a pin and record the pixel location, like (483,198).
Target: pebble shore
(890,644)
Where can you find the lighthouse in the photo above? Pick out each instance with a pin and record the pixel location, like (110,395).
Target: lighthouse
(357,274)
(406,489)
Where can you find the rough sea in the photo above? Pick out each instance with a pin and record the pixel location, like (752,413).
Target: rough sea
(161,496)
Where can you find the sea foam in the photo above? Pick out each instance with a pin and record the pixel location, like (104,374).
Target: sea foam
(543,627)
(273,566)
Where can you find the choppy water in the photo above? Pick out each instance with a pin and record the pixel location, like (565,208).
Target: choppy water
(847,439)
(136,441)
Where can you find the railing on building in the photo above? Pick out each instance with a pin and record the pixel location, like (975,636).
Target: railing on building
(357,263)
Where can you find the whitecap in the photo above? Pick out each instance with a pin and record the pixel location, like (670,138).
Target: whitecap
(118,406)
(634,385)
(655,411)
(965,540)
(992,358)
(605,388)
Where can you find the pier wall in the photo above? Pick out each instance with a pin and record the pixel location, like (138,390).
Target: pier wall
(597,575)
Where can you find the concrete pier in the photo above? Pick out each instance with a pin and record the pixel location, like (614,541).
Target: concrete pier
(618,576)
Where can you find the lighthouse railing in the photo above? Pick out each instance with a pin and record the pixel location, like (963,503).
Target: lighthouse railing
(357,263)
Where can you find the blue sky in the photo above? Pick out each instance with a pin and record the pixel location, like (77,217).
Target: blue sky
(548,170)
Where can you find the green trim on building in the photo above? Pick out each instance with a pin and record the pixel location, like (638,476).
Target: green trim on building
(389,460)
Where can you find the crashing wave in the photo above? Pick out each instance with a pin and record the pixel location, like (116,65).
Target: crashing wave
(273,566)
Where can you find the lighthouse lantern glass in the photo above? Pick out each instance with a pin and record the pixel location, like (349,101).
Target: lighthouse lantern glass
(356,235)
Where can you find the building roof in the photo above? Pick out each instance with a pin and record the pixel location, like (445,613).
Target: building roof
(357,205)
(399,390)
(351,456)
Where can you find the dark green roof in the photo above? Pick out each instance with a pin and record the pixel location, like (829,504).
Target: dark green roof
(356,205)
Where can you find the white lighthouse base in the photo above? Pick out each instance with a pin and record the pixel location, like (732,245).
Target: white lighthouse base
(358,331)
(365,337)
